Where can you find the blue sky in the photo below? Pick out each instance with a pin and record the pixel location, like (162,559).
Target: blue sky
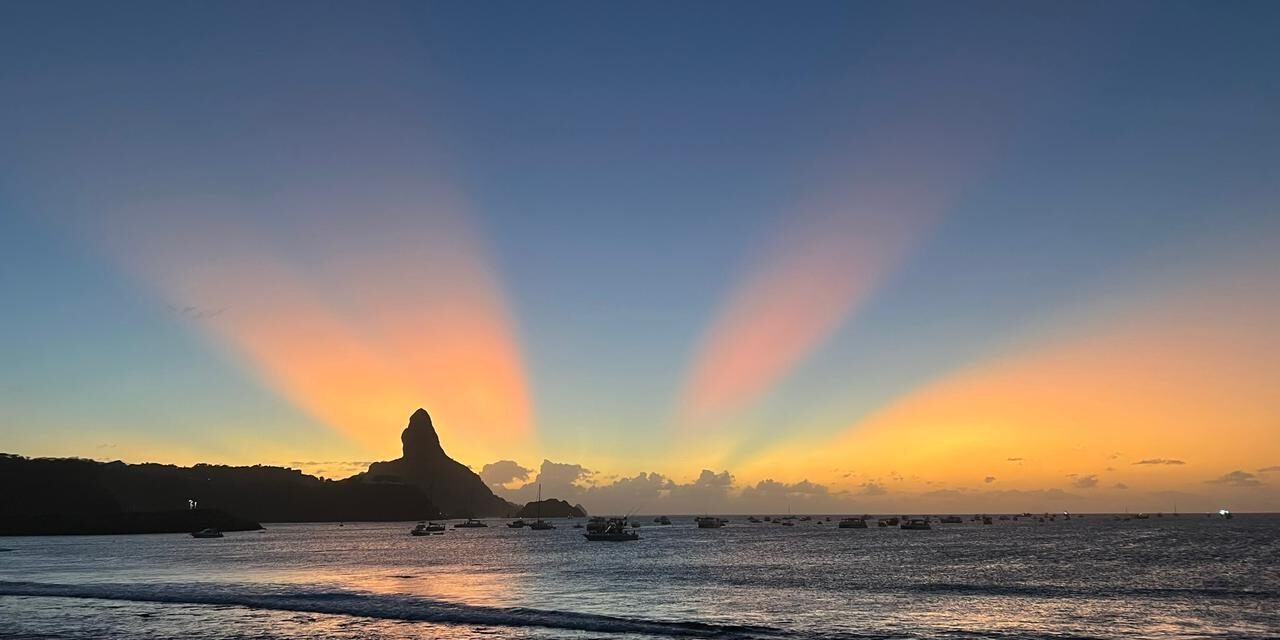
(616,177)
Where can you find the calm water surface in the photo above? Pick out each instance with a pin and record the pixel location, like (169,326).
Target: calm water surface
(1087,578)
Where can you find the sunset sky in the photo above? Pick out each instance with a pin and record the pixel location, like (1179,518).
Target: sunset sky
(840,256)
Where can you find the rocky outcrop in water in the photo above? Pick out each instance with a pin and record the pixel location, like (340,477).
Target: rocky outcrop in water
(551,508)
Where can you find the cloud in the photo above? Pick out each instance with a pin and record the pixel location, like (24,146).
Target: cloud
(503,472)
(1237,478)
(557,473)
(989,479)
(945,494)
(773,488)
(1014,459)
(1269,469)
(1119,485)
(872,488)
(1160,461)
(1085,482)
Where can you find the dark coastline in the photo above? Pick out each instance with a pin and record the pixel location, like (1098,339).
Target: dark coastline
(68,496)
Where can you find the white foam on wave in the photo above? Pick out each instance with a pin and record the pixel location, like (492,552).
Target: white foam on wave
(387,607)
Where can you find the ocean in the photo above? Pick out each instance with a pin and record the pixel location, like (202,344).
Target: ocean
(1096,577)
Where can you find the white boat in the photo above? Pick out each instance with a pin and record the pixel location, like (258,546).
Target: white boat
(427,529)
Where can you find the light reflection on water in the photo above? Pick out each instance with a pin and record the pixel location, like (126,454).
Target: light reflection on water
(1094,577)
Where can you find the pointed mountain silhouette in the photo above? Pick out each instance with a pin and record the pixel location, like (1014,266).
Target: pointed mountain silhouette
(452,487)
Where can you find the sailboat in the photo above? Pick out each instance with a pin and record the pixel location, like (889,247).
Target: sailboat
(540,524)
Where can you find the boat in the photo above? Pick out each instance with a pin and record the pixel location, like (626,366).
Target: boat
(915,524)
(952,520)
(1226,514)
(708,522)
(663,520)
(853,523)
(206,533)
(597,524)
(753,519)
(615,530)
(805,518)
(517,524)
(471,523)
(427,529)
(986,519)
(785,523)
(888,522)
(540,524)
(1142,516)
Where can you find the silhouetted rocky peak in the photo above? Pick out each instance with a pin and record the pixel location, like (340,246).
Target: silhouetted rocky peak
(419,439)
(451,485)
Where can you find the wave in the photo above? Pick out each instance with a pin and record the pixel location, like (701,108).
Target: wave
(1048,591)
(386,607)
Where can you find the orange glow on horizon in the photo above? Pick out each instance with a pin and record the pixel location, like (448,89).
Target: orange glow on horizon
(1191,378)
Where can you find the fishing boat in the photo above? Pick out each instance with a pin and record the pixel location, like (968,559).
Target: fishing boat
(853,523)
(708,522)
(615,530)
(471,523)
(517,524)
(915,524)
(206,533)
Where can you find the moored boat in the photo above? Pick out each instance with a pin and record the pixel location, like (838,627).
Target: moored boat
(471,523)
(206,533)
(915,524)
(615,530)
(853,523)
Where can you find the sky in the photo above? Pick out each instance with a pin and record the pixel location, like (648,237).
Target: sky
(694,257)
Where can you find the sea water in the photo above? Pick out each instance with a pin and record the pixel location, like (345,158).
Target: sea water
(1096,577)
